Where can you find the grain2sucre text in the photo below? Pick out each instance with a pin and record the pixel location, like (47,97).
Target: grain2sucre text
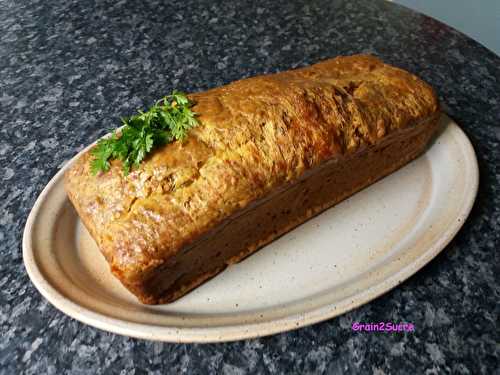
(383,327)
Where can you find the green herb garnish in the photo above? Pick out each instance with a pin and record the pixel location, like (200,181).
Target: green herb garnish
(167,120)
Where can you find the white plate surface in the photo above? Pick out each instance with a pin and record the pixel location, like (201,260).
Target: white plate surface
(335,262)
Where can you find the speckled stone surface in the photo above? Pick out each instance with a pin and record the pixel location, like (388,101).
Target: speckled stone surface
(69,69)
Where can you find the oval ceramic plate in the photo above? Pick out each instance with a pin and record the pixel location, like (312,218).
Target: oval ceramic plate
(335,262)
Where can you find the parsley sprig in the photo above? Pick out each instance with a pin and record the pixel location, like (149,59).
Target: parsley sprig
(167,120)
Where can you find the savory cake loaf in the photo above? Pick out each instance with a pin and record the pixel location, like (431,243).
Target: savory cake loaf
(269,153)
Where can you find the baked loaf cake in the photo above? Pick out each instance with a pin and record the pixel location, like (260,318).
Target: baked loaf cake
(270,152)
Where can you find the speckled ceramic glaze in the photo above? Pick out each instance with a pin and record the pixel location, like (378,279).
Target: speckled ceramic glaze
(339,260)
(70,69)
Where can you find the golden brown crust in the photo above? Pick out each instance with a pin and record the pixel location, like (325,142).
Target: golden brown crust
(256,136)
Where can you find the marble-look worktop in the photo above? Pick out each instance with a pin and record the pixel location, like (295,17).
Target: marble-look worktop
(69,70)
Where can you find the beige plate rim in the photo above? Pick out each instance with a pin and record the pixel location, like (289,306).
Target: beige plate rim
(244,330)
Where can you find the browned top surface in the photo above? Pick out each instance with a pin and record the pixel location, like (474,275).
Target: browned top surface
(255,135)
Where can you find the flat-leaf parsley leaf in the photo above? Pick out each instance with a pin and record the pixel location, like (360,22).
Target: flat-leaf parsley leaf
(167,120)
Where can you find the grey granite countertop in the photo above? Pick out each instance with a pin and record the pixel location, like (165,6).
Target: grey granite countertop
(69,69)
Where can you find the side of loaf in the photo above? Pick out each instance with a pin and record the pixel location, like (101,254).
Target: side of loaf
(270,152)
